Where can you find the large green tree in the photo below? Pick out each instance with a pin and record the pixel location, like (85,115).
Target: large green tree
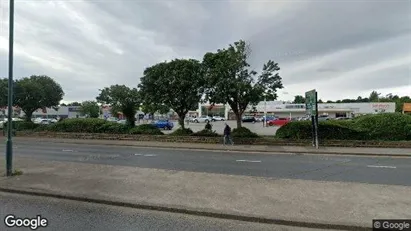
(90,109)
(299,99)
(231,81)
(37,91)
(152,109)
(177,84)
(122,99)
(4,86)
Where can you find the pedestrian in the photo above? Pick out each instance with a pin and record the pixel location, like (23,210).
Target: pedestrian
(227,135)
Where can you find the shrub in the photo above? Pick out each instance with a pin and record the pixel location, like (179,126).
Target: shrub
(387,126)
(86,125)
(326,130)
(22,125)
(182,132)
(243,132)
(407,129)
(114,128)
(146,129)
(206,132)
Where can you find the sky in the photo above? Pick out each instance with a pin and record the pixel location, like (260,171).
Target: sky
(341,48)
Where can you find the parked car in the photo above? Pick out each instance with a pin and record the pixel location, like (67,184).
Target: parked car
(203,119)
(163,124)
(278,122)
(248,119)
(323,118)
(217,118)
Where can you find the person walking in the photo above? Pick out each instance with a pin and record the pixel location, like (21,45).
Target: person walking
(227,135)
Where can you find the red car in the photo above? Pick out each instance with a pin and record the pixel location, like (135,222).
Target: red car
(278,122)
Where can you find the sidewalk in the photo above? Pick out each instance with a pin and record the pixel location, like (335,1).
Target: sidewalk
(401,152)
(281,201)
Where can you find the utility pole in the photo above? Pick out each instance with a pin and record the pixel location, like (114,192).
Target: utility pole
(9,144)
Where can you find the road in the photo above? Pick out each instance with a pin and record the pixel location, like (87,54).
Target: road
(374,170)
(65,215)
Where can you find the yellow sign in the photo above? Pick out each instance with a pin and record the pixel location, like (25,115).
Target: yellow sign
(406,107)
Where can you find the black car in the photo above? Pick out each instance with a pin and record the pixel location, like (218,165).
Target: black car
(249,119)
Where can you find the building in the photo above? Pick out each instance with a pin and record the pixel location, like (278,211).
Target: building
(406,108)
(59,112)
(283,109)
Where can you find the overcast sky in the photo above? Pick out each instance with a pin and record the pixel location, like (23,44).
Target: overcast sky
(341,48)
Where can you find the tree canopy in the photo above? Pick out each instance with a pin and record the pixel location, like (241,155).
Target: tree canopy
(122,99)
(231,81)
(177,84)
(4,86)
(90,109)
(34,92)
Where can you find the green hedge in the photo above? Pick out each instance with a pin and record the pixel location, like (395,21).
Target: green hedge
(182,132)
(243,132)
(22,125)
(206,133)
(389,126)
(146,129)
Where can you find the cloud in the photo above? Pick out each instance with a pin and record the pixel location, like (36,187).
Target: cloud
(341,48)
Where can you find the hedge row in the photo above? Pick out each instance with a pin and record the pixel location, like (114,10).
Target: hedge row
(93,125)
(390,126)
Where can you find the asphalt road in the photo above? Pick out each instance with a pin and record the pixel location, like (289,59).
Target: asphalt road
(65,215)
(374,170)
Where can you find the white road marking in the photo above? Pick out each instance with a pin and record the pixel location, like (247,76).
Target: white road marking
(380,166)
(251,161)
(150,155)
(137,154)
(67,150)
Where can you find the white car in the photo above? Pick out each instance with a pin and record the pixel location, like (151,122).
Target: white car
(202,119)
(217,118)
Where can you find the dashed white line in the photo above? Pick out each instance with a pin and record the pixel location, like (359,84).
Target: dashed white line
(137,154)
(380,166)
(251,161)
(67,150)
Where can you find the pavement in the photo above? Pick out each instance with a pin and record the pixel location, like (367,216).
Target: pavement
(66,215)
(298,203)
(361,169)
(391,152)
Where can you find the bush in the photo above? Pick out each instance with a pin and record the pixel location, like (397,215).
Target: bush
(243,132)
(22,125)
(86,125)
(114,128)
(332,130)
(146,129)
(387,126)
(182,132)
(206,132)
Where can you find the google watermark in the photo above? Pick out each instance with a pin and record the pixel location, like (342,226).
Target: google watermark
(386,224)
(29,223)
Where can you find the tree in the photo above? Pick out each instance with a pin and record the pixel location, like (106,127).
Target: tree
(4,87)
(152,109)
(177,84)
(122,99)
(230,81)
(90,109)
(74,104)
(299,99)
(374,96)
(34,92)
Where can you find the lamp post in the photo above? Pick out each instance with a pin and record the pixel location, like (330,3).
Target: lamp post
(9,143)
(265,110)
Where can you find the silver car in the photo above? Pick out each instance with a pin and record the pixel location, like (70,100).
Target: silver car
(203,119)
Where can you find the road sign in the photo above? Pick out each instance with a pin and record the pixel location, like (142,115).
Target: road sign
(311,102)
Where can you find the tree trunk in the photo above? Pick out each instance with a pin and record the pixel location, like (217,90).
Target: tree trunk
(181,120)
(238,118)
(131,121)
(28,114)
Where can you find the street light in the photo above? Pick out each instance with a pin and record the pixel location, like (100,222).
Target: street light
(265,110)
(9,143)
